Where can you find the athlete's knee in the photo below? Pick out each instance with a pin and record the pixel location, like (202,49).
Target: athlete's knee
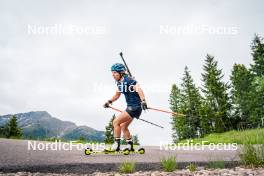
(116,123)
(124,128)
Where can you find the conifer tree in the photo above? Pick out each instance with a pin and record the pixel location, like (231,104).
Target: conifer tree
(242,80)
(12,129)
(109,132)
(216,96)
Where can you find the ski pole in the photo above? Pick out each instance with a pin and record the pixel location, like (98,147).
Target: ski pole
(151,123)
(121,54)
(169,112)
(115,109)
(118,110)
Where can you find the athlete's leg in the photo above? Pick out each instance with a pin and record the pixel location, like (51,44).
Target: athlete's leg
(121,118)
(125,130)
(126,133)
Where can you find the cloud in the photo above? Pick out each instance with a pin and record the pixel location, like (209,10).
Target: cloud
(57,73)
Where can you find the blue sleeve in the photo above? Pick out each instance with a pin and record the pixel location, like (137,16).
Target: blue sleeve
(132,82)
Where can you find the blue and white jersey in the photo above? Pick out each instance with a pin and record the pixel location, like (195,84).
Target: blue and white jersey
(126,87)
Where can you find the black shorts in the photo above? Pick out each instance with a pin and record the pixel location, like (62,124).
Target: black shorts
(134,112)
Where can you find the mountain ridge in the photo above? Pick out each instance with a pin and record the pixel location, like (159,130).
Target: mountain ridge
(41,124)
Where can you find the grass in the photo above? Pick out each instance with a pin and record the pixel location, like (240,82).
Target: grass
(252,140)
(127,167)
(253,136)
(192,167)
(252,156)
(216,165)
(169,164)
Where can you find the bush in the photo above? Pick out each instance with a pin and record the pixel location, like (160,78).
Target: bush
(127,167)
(252,156)
(192,167)
(169,164)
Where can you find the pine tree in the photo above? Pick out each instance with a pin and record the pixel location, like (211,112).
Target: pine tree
(257,48)
(216,95)
(206,122)
(12,129)
(187,101)
(2,131)
(136,140)
(191,104)
(109,132)
(178,123)
(241,96)
(257,69)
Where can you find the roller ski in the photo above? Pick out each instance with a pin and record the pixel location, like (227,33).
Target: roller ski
(115,149)
(131,148)
(125,151)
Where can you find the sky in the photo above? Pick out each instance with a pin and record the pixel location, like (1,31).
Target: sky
(55,56)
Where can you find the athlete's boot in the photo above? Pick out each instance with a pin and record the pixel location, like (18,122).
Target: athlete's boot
(130,144)
(116,145)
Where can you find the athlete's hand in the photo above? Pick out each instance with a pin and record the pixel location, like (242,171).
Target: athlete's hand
(144,105)
(106,105)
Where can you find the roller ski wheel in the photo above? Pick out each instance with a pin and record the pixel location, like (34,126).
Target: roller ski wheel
(140,151)
(88,151)
(124,151)
(136,151)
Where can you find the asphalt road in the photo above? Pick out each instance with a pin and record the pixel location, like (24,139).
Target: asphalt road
(16,156)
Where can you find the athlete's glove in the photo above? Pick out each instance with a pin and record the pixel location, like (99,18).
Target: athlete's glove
(106,105)
(144,105)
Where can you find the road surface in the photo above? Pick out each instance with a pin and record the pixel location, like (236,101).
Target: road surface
(16,156)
